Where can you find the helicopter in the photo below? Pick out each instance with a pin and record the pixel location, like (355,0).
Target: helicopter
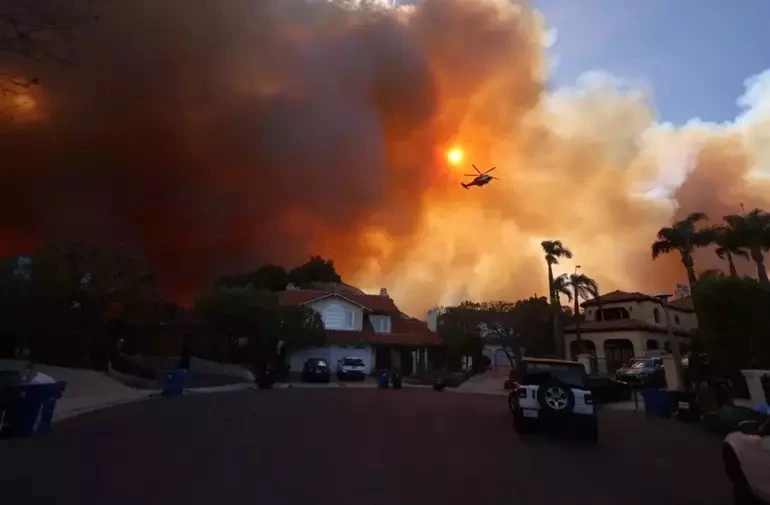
(479,179)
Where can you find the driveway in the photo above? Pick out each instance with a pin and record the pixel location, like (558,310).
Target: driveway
(346,446)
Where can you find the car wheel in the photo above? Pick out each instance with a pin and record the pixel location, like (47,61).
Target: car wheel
(742,494)
(556,397)
(513,402)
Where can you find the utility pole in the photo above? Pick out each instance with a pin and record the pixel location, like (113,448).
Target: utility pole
(663,297)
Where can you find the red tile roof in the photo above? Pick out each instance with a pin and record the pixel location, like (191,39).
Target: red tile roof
(683,304)
(622,325)
(373,303)
(404,331)
(618,297)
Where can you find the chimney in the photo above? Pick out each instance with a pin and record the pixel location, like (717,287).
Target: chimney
(433,320)
(292,287)
(384,292)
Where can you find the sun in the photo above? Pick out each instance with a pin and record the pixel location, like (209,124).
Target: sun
(455,156)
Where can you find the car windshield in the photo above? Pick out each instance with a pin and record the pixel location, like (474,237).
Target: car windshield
(353,362)
(642,363)
(317,363)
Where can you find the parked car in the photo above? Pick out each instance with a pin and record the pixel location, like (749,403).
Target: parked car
(554,394)
(351,369)
(746,456)
(316,370)
(643,372)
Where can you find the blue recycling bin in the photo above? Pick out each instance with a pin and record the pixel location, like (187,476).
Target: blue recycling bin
(27,410)
(383,381)
(658,402)
(174,383)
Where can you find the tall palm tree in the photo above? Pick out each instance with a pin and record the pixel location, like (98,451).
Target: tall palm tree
(729,244)
(577,287)
(684,237)
(753,230)
(554,250)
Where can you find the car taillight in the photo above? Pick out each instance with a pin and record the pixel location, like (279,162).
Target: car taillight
(589,399)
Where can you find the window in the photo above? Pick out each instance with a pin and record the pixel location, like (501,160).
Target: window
(381,324)
(350,319)
(612,314)
(676,319)
(656,315)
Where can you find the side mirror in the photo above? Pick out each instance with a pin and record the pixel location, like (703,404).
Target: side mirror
(749,427)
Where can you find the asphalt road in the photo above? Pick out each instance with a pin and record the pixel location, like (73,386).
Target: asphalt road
(351,447)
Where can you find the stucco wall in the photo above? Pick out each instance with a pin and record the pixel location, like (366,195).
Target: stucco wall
(645,311)
(637,338)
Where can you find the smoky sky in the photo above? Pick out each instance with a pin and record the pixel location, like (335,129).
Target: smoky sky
(213,136)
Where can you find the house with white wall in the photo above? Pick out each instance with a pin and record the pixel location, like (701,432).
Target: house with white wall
(370,327)
(620,325)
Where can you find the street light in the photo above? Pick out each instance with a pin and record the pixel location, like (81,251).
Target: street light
(663,298)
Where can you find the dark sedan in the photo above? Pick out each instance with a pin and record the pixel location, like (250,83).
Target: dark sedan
(316,370)
(643,372)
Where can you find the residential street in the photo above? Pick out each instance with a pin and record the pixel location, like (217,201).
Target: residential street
(353,446)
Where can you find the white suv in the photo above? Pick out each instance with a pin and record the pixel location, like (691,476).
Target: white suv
(351,368)
(552,393)
(746,455)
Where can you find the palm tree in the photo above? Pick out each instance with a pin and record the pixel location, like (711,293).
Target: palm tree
(753,230)
(729,244)
(684,238)
(554,250)
(576,287)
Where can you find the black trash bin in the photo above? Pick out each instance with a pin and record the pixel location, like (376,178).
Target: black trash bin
(265,378)
(688,408)
(395,379)
(27,410)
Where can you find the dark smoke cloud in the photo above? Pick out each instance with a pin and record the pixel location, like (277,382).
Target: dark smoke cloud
(215,135)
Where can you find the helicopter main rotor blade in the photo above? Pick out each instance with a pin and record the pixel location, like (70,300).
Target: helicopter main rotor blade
(489,170)
(477,169)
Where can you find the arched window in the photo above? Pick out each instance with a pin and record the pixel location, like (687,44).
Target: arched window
(656,315)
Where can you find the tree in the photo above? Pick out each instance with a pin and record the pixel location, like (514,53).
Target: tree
(580,286)
(729,244)
(235,312)
(734,321)
(753,231)
(316,269)
(80,288)
(684,237)
(245,312)
(554,249)
(266,277)
(523,324)
(300,327)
